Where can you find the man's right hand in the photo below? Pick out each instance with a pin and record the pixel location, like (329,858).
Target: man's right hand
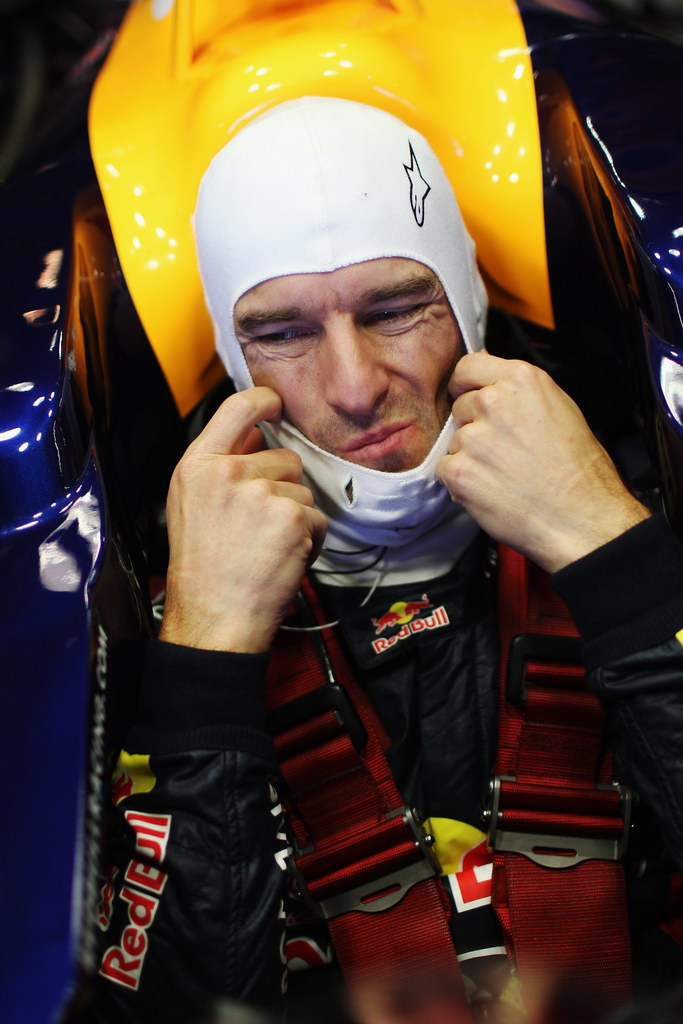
(242,531)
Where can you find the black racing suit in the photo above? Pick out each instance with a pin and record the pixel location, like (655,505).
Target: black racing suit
(192,905)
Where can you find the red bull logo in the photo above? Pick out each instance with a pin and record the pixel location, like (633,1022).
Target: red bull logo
(402,613)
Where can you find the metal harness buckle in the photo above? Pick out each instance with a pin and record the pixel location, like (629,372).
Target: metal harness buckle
(557,851)
(378,894)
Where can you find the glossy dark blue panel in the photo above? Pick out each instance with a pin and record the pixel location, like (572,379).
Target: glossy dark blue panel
(612,140)
(77,383)
(52,536)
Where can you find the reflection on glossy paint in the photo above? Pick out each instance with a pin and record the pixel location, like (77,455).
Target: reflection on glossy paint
(40,317)
(591,128)
(637,207)
(52,264)
(162,8)
(7,435)
(59,570)
(671,383)
(24,385)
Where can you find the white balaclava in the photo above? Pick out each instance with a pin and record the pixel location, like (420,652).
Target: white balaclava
(310,186)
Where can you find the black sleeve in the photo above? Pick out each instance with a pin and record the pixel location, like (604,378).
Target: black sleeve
(627,600)
(190,908)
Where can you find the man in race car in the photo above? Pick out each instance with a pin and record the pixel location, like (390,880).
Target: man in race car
(350,314)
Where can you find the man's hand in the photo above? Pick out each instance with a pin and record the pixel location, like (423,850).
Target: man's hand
(526,466)
(242,530)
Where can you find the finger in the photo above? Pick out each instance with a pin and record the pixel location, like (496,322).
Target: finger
(444,472)
(455,443)
(318,523)
(256,442)
(463,410)
(232,425)
(297,492)
(475,370)
(272,464)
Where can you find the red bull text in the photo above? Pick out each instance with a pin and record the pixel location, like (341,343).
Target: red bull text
(123,962)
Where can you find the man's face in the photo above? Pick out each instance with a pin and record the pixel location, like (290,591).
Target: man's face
(361,357)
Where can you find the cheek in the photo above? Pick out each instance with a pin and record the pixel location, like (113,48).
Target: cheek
(291,381)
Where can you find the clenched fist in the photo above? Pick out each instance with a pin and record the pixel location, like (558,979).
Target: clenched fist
(242,531)
(526,466)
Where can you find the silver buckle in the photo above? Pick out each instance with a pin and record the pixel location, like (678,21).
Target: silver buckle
(378,893)
(557,851)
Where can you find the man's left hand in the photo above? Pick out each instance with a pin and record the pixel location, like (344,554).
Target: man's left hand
(526,466)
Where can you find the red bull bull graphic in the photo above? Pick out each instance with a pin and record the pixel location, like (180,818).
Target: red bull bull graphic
(133,774)
(402,613)
(106,903)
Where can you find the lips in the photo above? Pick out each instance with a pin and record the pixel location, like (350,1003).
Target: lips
(383,439)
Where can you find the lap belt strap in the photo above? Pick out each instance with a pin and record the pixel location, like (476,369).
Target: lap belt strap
(558,822)
(362,859)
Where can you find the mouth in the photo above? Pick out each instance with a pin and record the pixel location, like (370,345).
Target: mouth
(377,443)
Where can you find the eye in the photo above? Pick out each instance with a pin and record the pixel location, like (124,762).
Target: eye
(394,316)
(287,336)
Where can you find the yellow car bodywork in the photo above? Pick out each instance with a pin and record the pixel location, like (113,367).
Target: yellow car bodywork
(184,77)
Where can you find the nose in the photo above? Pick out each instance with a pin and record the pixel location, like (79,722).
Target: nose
(355,377)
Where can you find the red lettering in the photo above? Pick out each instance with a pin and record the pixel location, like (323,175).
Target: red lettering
(116,967)
(123,964)
(141,909)
(471,887)
(151,832)
(146,876)
(133,941)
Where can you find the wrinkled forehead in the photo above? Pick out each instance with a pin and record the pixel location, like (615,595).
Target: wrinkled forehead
(345,289)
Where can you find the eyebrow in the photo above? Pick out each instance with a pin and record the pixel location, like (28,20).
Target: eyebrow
(414,286)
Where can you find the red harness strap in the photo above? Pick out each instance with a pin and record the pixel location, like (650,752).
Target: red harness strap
(363,858)
(558,821)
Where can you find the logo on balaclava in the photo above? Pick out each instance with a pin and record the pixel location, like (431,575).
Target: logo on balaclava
(419,189)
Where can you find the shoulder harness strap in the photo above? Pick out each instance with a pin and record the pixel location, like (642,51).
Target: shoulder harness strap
(558,821)
(362,858)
